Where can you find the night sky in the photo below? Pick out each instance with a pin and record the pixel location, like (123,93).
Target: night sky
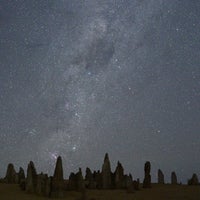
(79,78)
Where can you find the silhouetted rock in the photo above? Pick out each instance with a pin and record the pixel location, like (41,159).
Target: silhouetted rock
(76,181)
(119,176)
(72,182)
(127,180)
(147,176)
(31,180)
(88,174)
(136,184)
(194,180)
(133,186)
(21,175)
(57,180)
(160,177)
(48,182)
(11,175)
(21,179)
(173,178)
(39,184)
(106,173)
(42,180)
(112,180)
(89,179)
(98,179)
(79,181)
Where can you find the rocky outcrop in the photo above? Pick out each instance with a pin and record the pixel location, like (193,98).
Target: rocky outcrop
(11,175)
(88,175)
(80,186)
(127,180)
(72,182)
(57,183)
(106,173)
(173,178)
(39,185)
(160,177)
(21,179)
(147,176)
(54,186)
(48,186)
(31,180)
(98,179)
(21,174)
(43,185)
(136,184)
(194,180)
(89,179)
(76,181)
(119,176)
(133,186)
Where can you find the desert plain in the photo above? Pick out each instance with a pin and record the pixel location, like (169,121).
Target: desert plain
(157,192)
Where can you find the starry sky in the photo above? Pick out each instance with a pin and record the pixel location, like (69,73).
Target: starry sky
(79,78)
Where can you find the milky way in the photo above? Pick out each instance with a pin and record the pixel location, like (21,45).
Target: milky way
(82,78)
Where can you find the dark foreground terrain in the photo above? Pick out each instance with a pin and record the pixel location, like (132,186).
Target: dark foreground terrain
(161,192)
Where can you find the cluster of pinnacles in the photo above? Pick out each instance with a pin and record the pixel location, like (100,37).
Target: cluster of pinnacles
(55,186)
(174,181)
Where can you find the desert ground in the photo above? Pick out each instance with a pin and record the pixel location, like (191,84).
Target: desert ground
(157,192)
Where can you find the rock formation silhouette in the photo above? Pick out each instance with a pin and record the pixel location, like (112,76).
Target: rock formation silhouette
(79,181)
(173,178)
(127,180)
(55,186)
(161,179)
(147,176)
(11,175)
(31,180)
(132,186)
(76,181)
(72,182)
(98,179)
(136,184)
(106,173)
(119,176)
(43,186)
(21,175)
(89,179)
(194,180)
(57,181)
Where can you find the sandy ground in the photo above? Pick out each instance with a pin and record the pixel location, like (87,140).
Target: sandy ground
(161,192)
